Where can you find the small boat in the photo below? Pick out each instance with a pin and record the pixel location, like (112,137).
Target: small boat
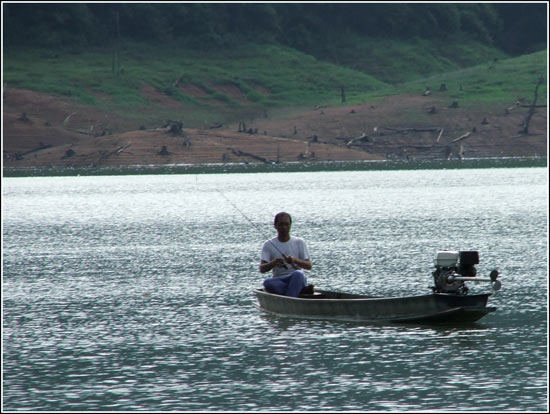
(448,303)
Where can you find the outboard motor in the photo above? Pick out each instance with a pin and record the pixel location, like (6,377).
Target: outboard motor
(453,268)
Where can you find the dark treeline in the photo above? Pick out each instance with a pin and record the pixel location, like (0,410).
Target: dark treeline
(514,27)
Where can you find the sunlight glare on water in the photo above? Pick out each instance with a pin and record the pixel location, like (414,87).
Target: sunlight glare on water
(136,292)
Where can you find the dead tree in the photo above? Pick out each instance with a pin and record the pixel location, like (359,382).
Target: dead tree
(115,64)
(531,111)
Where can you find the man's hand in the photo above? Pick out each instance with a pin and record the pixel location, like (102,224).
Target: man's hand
(298,263)
(279,262)
(267,266)
(291,261)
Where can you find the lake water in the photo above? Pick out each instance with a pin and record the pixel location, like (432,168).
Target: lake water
(136,292)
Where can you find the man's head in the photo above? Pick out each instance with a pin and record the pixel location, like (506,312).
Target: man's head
(278,217)
(282,223)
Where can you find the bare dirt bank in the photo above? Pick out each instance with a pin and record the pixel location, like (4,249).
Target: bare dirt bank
(45,130)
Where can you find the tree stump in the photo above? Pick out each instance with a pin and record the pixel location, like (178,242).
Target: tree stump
(24,117)
(164,151)
(69,153)
(175,127)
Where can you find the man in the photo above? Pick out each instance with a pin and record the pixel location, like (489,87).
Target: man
(285,256)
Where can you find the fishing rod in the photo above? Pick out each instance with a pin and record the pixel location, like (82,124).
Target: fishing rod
(254,225)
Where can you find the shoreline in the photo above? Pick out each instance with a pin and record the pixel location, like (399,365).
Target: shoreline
(313,166)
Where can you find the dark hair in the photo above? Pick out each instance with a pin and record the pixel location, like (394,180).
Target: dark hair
(281,214)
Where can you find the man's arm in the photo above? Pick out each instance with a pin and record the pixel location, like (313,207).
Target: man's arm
(267,266)
(299,263)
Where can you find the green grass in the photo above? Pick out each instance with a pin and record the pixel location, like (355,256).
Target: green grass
(373,68)
(501,81)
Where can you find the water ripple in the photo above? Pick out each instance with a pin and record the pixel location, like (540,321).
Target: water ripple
(135,293)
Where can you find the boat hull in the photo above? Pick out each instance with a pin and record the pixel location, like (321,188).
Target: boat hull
(436,308)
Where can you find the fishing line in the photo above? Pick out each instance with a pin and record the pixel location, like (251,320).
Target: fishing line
(254,225)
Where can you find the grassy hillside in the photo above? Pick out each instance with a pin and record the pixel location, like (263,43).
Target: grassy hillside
(252,80)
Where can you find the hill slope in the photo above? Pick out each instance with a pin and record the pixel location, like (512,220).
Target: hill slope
(292,106)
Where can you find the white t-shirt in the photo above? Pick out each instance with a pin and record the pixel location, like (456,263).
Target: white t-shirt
(295,247)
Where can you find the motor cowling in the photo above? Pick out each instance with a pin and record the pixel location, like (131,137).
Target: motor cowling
(466,262)
(448,265)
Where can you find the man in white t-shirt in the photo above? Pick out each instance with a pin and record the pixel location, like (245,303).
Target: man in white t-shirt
(285,256)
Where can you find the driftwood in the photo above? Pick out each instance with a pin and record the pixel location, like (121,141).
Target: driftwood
(39,148)
(240,153)
(116,151)
(362,138)
(460,138)
(66,120)
(407,130)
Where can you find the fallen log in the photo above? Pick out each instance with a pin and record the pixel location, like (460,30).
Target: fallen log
(460,138)
(66,120)
(240,153)
(362,138)
(407,130)
(105,155)
(39,148)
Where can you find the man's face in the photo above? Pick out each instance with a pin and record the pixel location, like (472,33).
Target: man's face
(283,226)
